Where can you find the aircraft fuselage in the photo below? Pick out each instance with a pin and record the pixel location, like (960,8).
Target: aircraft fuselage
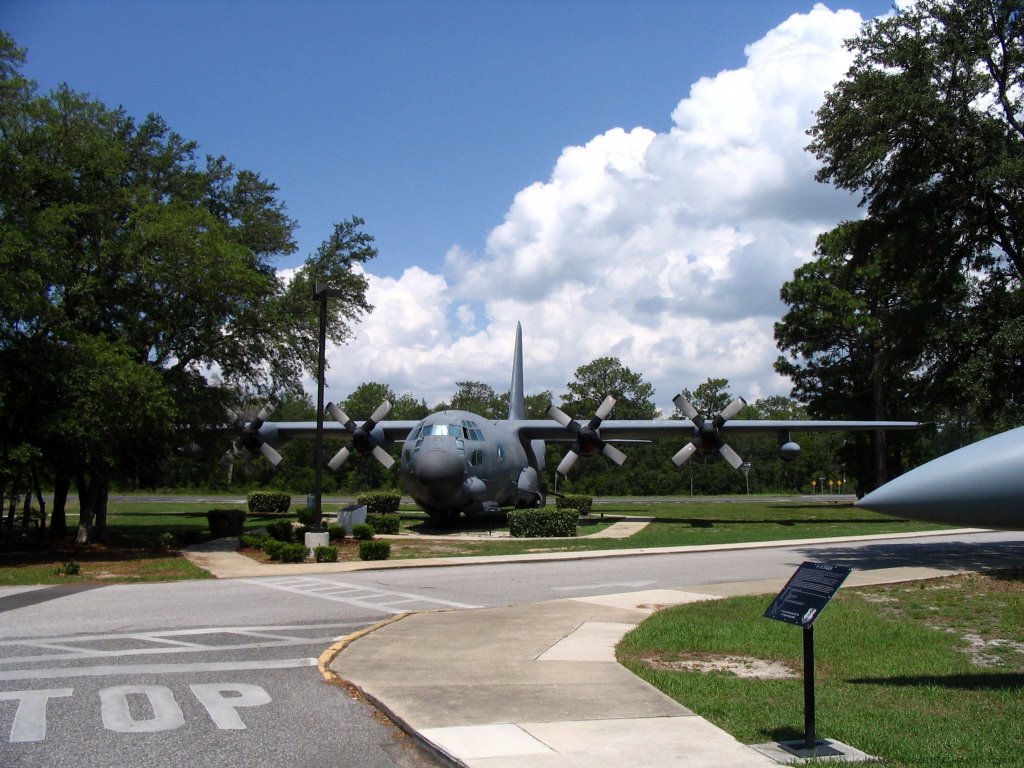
(457,461)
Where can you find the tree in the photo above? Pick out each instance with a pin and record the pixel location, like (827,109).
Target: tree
(861,326)
(608,376)
(710,398)
(930,117)
(477,397)
(131,271)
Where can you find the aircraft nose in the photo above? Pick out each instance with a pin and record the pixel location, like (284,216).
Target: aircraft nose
(439,474)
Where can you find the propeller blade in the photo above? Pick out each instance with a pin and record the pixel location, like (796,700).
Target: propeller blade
(338,459)
(686,408)
(338,415)
(382,410)
(730,455)
(614,454)
(566,464)
(560,416)
(265,413)
(383,457)
(272,456)
(732,409)
(683,454)
(606,407)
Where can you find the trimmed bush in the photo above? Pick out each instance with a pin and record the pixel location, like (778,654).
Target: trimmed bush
(268,502)
(582,504)
(255,540)
(226,522)
(273,548)
(335,532)
(379,503)
(374,549)
(362,532)
(542,522)
(305,515)
(384,523)
(293,553)
(325,554)
(281,530)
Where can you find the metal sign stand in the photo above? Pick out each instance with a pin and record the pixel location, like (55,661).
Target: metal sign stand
(800,602)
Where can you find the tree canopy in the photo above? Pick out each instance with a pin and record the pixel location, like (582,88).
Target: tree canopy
(140,292)
(916,309)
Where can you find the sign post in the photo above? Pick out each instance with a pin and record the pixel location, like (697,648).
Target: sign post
(800,602)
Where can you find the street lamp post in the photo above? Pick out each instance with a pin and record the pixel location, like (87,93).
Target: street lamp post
(321,293)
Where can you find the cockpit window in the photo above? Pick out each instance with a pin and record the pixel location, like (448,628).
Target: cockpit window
(453,430)
(473,432)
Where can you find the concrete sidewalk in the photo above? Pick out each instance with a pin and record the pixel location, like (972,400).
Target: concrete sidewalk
(537,686)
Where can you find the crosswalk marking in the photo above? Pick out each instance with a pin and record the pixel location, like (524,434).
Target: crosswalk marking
(354,594)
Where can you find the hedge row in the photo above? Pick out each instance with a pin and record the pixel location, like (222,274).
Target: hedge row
(384,523)
(268,502)
(542,522)
(379,503)
(582,504)
(226,522)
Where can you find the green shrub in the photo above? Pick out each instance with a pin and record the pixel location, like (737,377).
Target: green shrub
(226,522)
(70,568)
(362,531)
(268,502)
(379,503)
(255,540)
(374,549)
(582,504)
(325,554)
(335,532)
(293,553)
(542,522)
(305,515)
(281,530)
(384,523)
(273,548)
(166,540)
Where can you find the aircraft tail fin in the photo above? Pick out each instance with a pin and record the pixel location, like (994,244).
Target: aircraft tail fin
(516,397)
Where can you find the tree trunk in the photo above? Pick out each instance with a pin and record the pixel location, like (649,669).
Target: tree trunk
(878,412)
(87,507)
(100,510)
(58,519)
(39,498)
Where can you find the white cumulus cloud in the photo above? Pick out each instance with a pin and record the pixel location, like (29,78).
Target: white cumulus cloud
(666,250)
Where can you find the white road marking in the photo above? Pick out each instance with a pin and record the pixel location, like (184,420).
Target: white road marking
(352,594)
(154,669)
(604,585)
(76,647)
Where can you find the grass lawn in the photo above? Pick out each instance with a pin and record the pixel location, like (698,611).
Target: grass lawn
(676,524)
(923,674)
(132,549)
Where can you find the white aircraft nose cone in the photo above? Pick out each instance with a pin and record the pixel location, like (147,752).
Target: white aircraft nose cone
(981,484)
(439,474)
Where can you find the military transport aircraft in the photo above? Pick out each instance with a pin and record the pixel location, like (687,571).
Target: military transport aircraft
(456,462)
(980,485)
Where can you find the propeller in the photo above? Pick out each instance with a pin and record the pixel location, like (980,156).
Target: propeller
(707,435)
(362,436)
(588,438)
(251,441)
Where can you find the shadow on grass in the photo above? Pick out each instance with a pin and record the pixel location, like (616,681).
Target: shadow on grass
(979,682)
(781,734)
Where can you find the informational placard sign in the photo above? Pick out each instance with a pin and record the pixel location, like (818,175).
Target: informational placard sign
(807,593)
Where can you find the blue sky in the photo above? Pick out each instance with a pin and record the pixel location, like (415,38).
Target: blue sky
(431,120)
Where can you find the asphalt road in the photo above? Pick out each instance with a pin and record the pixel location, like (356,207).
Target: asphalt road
(223,672)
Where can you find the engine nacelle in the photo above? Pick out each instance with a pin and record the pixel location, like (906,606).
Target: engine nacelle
(789,450)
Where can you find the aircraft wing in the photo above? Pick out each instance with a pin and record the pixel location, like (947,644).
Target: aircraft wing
(277,432)
(651,429)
